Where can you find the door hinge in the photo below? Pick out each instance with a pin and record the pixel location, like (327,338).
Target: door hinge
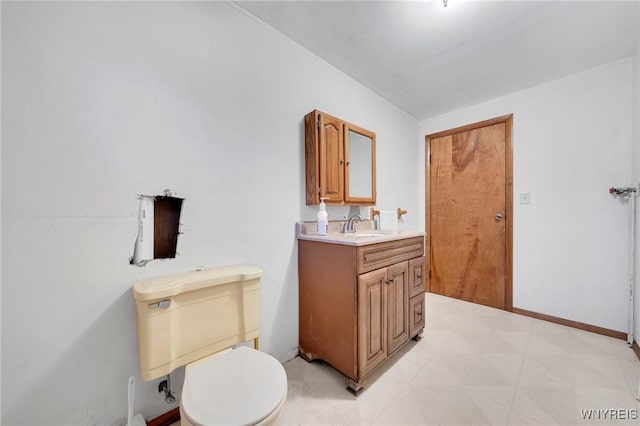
(429,273)
(318,122)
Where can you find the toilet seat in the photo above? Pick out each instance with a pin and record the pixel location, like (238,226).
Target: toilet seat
(240,387)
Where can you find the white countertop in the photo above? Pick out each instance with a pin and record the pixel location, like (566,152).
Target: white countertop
(364,234)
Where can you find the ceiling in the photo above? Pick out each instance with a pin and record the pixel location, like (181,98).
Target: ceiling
(427,59)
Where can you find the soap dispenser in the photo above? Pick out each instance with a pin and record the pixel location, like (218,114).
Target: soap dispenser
(323,218)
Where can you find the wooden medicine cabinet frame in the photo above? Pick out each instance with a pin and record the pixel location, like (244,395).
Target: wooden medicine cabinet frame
(334,149)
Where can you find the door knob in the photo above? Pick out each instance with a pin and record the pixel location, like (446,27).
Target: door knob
(498,217)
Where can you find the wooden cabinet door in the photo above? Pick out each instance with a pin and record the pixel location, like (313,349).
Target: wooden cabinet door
(331,162)
(397,305)
(416,274)
(372,312)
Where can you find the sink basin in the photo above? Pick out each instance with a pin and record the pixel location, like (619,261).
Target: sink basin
(366,234)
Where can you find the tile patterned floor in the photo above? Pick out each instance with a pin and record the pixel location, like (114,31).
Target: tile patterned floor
(478,366)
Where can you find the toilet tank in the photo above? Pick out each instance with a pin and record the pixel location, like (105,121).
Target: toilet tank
(182,318)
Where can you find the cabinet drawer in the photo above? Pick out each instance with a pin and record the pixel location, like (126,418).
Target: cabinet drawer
(376,256)
(416,315)
(416,276)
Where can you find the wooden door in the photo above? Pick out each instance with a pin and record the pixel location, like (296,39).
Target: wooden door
(372,311)
(331,162)
(397,306)
(469,213)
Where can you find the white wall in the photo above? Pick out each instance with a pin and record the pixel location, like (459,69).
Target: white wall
(105,101)
(0,219)
(571,142)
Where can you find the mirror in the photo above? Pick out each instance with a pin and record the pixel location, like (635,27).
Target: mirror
(360,157)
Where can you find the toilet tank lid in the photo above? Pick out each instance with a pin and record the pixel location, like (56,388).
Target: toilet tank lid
(163,287)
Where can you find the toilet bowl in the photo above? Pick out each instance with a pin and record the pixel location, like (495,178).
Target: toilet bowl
(194,320)
(239,387)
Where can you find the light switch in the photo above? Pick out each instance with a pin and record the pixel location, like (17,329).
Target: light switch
(525,198)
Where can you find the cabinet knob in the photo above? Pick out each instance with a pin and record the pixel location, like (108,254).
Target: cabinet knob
(390,281)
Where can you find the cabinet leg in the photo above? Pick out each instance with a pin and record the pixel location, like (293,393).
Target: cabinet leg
(354,387)
(417,337)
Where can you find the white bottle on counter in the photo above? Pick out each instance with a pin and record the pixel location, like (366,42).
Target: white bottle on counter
(323,218)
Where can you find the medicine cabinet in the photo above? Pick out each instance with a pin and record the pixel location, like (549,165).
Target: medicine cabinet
(340,161)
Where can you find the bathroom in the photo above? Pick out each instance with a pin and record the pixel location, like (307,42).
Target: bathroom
(103,102)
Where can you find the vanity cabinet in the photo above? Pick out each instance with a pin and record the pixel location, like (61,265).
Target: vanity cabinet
(339,161)
(359,304)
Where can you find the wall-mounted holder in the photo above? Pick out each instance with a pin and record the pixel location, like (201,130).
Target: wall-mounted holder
(622,190)
(373,212)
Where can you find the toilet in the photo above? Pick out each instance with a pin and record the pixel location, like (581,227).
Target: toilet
(195,319)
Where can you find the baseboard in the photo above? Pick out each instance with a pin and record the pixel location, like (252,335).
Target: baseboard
(636,349)
(575,324)
(166,419)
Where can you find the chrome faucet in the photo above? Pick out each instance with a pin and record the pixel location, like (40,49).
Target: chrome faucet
(349,224)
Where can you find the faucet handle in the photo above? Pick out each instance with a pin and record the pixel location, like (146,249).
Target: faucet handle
(349,224)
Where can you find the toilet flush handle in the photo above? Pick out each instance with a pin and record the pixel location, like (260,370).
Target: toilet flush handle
(163,304)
